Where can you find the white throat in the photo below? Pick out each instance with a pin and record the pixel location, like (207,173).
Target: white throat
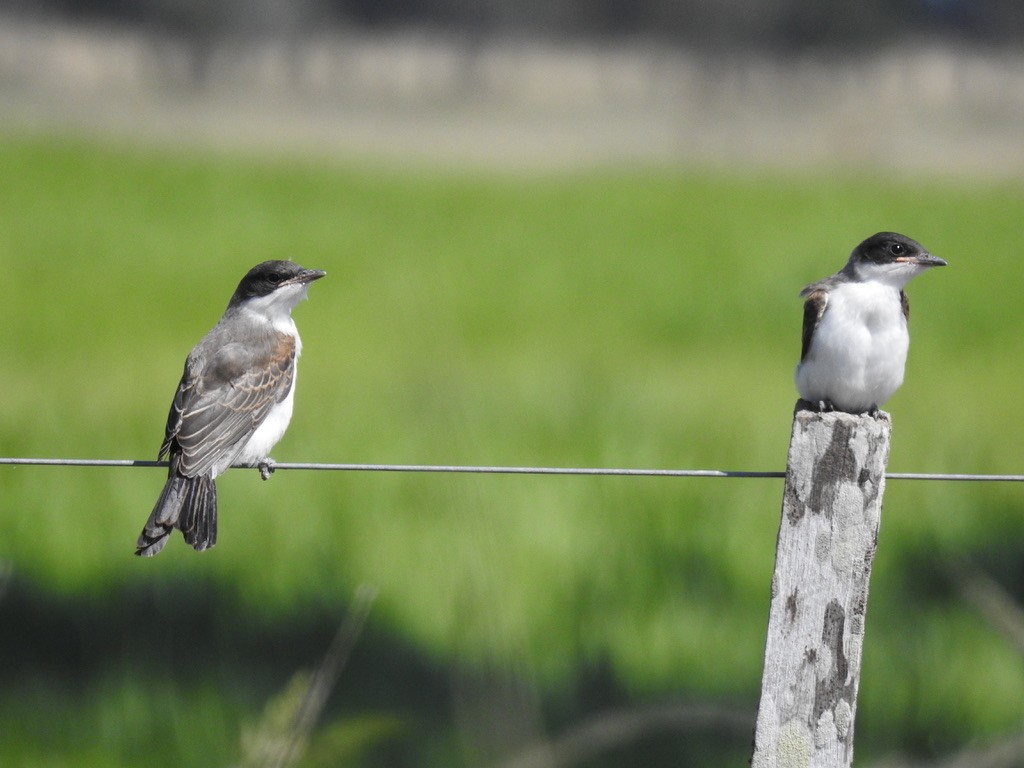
(894,275)
(276,309)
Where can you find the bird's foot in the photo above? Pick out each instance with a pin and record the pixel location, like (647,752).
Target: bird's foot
(873,411)
(266,467)
(826,406)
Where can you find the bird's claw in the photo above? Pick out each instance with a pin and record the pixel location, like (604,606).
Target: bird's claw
(266,468)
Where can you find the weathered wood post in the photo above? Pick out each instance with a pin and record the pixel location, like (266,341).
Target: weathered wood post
(831,510)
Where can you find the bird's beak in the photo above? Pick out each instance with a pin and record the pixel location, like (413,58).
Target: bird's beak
(923,260)
(305,276)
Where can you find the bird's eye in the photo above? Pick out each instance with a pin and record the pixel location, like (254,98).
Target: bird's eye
(276,277)
(896,249)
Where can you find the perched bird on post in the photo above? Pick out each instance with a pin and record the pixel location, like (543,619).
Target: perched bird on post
(233,403)
(855,336)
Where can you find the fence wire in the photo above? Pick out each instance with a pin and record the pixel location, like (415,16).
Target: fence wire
(496,470)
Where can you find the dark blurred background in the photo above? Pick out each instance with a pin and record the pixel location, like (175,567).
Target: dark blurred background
(916,84)
(779,26)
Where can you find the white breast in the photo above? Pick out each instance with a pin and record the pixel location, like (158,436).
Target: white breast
(270,431)
(859,350)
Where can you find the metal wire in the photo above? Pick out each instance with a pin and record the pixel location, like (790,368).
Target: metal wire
(489,470)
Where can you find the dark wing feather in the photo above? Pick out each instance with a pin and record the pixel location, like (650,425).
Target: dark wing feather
(182,395)
(814,308)
(222,402)
(905,303)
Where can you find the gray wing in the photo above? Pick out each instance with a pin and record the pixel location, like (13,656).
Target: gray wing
(814,308)
(905,303)
(222,401)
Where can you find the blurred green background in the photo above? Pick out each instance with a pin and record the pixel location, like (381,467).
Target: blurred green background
(636,316)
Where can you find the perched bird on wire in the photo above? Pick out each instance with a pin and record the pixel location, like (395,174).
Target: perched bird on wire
(233,403)
(855,336)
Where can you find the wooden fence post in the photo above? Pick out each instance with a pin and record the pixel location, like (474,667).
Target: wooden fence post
(831,510)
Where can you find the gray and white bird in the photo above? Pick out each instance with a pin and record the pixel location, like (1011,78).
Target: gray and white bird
(233,403)
(855,336)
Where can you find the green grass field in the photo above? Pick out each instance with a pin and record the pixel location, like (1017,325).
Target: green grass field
(631,318)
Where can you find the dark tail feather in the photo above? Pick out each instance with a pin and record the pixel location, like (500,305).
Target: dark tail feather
(198,521)
(188,504)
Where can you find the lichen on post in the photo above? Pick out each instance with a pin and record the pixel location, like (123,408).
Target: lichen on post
(831,512)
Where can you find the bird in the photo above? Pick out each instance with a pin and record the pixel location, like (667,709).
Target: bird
(855,336)
(233,403)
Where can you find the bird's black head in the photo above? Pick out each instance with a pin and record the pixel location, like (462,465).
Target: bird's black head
(892,247)
(270,276)
(889,258)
